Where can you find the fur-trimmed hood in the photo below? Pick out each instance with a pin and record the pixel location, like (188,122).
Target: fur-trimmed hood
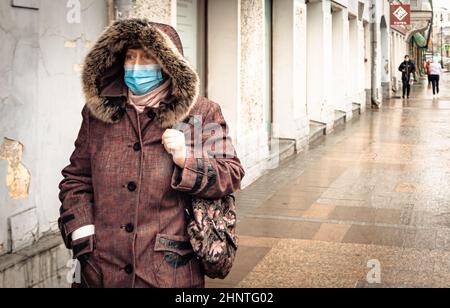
(103,73)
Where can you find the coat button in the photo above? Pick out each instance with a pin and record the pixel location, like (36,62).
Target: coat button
(129,228)
(132,186)
(129,269)
(151,114)
(137,146)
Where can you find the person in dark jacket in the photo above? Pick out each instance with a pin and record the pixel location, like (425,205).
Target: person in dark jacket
(147,144)
(408,68)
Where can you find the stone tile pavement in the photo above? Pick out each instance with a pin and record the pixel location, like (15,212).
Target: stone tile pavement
(374,191)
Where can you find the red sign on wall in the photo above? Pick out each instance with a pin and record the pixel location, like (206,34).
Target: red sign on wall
(400,14)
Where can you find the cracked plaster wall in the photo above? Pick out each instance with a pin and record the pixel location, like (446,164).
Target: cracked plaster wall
(41,100)
(18,177)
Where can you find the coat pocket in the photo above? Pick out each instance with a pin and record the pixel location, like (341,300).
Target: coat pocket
(177,250)
(91,276)
(172,257)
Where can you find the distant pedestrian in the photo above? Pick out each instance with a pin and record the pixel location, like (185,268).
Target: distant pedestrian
(435,76)
(407,68)
(427,71)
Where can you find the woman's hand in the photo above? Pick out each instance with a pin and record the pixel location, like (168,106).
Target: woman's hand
(175,144)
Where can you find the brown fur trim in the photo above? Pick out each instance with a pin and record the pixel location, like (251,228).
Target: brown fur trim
(162,42)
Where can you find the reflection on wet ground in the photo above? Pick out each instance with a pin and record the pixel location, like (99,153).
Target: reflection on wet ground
(374,191)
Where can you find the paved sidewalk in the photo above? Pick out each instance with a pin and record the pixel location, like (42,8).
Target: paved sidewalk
(373,192)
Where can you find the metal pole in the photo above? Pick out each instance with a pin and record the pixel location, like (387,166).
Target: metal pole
(375,32)
(442,44)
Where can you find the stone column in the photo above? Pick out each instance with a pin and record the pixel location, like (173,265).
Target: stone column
(289,65)
(320,108)
(361,64)
(385,61)
(396,51)
(356,55)
(341,62)
(253,140)
(367,66)
(393,46)
(236,76)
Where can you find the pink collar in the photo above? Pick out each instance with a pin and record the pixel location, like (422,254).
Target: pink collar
(151,99)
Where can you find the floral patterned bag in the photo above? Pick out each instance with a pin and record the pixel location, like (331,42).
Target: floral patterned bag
(212,232)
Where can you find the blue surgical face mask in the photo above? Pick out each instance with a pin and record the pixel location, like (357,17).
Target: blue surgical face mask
(142,79)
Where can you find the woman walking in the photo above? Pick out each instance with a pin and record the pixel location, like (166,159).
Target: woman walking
(435,75)
(147,144)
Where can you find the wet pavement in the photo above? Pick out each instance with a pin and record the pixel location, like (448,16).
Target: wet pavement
(373,192)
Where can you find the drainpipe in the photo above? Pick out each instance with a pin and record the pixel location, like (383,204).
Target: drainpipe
(375,29)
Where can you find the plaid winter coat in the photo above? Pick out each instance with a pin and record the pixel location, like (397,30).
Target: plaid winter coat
(122,180)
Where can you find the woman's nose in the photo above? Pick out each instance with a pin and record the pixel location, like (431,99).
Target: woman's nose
(139,61)
(135,61)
